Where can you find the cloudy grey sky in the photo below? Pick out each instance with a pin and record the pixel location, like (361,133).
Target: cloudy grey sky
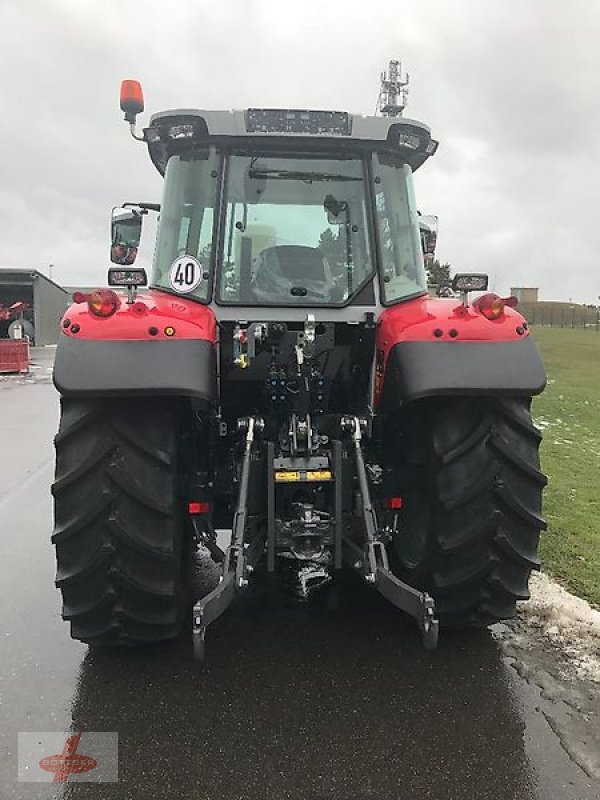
(511,88)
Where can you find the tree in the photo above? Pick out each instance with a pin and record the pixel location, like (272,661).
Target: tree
(439,275)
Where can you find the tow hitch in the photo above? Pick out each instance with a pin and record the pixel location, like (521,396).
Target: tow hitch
(239,562)
(371,561)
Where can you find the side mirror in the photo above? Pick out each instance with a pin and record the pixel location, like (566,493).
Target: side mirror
(428,226)
(126,232)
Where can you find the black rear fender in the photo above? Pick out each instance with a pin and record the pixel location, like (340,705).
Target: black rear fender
(185,367)
(415,370)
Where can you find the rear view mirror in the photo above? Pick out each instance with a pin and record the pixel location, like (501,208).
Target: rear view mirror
(428,227)
(334,209)
(126,232)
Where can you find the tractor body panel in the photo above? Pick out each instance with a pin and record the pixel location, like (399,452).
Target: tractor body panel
(418,369)
(151,309)
(127,367)
(428,347)
(159,344)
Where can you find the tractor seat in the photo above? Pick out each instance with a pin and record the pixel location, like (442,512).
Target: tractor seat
(297,263)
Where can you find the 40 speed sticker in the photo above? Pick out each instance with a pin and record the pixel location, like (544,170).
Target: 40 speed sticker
(185,274)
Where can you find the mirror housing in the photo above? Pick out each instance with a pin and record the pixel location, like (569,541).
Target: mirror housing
(428,227)
(126,232)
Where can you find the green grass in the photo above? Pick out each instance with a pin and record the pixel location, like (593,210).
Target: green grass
(569,414)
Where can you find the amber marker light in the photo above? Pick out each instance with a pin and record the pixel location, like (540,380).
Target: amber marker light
(131,99)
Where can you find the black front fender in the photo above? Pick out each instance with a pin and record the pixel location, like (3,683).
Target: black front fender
(425,369)
(184,367)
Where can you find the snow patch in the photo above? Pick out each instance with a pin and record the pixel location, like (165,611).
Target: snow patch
(567,622)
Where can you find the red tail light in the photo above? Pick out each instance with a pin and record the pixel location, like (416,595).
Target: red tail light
(490,305)
(103,302)
(195,507)
(394,503)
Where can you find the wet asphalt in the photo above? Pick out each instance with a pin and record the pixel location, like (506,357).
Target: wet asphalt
(306,703)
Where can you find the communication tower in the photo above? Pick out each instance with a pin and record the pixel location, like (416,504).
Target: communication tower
(393,92)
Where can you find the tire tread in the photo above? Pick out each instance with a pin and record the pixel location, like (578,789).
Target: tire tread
(485,488)
(117,530)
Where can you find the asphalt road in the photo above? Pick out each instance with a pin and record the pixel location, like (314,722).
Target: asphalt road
(292,702)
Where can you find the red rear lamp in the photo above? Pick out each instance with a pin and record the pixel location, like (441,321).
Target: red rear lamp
(198,508)
(103,302)
(393,503)
(490,305)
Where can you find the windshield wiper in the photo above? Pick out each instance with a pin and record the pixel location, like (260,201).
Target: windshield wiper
(291,175)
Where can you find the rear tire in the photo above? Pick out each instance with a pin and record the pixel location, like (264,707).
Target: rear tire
(471,520)
(118,529)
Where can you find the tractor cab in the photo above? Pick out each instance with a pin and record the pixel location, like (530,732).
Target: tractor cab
(287,208)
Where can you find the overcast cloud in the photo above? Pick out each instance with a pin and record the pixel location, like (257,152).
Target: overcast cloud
(510,88)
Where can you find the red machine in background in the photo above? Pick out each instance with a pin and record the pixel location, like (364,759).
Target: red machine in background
(15,332)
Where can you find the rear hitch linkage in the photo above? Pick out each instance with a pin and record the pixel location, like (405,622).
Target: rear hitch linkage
(371,562)
(237,565)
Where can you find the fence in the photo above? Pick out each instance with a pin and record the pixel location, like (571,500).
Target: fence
(561,315)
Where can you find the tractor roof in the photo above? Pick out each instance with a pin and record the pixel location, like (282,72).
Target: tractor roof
(170,132)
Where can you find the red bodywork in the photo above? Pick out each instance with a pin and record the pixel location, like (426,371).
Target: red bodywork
(434,320)
(159,315)
(148,317)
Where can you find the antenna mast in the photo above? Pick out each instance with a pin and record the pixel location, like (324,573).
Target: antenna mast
(393,93)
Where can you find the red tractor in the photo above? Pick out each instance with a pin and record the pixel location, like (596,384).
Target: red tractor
(287,383)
